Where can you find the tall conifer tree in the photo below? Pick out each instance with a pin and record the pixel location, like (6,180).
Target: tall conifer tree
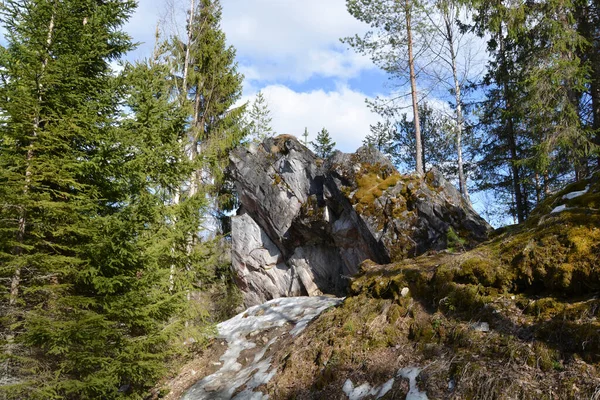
(207,67)
(396,42)
(89,313)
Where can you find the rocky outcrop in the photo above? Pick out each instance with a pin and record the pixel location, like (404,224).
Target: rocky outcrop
(305,224)
(408,214)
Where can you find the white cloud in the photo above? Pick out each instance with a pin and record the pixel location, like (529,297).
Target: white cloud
(293,40)
(342,112)
(275,39)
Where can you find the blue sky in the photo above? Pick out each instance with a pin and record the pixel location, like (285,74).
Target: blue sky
(291,51)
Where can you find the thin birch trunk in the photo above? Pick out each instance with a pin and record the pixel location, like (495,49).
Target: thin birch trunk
(186,62)
(192,145)
(459,115)
(413,86)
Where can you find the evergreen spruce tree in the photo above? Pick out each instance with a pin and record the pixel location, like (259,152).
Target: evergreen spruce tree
(206,66)
(260,119)
(535,83)
(88,308)
(323,145)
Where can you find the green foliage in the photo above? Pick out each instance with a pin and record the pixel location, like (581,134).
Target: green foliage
(323,145)
(94,253)
(437,138)
(213,86)
(453,241)
(538,85)
(381,138)
(387,40)
(260,119)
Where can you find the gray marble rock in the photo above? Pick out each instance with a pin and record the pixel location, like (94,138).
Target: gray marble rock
(306,224)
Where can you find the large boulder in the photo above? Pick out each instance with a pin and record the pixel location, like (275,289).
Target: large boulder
(305,224)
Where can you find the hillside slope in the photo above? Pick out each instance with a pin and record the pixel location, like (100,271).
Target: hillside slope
(514,318)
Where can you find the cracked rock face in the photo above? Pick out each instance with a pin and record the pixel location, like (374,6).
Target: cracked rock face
(305,224)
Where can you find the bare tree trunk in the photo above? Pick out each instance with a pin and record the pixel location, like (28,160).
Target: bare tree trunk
(192,142)
(18,250)
(462,181)
(186,61)
(413,87)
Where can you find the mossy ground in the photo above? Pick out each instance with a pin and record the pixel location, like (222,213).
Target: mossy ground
(536,286)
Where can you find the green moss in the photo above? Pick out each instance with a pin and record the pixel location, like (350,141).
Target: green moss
(421,331)
(371,186)
(395,312)
(453,241)
(543,308)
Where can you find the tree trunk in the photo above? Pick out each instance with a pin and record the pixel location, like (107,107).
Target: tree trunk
(511,136)
(186,61)
(595,78)
(462,180)
(413,87)
(516,173)
(538,188)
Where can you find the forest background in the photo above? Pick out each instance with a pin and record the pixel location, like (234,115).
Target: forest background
(114,193)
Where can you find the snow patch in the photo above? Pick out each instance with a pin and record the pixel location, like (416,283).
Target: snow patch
(572,195)
(357,393)
(558,209)
(232,375)
(411,374)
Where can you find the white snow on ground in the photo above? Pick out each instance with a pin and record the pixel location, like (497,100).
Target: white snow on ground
(411,374)
(558,209)
(572,195)
(238,332)
(364,390)
(357,393)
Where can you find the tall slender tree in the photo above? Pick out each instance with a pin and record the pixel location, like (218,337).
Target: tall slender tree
(212,86)
(453,42)
(397,29)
